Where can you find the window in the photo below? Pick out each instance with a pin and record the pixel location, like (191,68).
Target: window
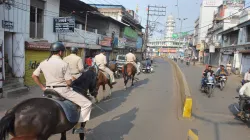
(36,19)
(248,33)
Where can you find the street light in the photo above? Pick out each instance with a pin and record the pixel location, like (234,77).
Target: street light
(181,20)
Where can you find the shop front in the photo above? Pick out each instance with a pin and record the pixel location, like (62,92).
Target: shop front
(227,56)
(245,61)
(35,53)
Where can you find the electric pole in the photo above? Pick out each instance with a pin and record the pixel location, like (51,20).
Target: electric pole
(153,11)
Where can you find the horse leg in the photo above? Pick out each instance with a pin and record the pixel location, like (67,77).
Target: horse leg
(132,81)
(82,135)
(111,87)
(63,136)
(125,82)
(103,91)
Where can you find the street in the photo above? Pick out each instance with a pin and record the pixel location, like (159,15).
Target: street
(213,117)
(148,111)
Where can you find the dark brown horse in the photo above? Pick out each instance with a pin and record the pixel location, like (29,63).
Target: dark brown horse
(128,72)
(39,118)
(102,81)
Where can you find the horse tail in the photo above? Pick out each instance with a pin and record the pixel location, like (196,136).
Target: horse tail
(7,125)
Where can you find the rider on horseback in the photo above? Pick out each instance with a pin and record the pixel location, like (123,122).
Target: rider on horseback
(101,62)
(75,63)
(130,58)
(58,78)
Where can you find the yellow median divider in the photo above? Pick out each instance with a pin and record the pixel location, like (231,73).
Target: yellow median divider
(184,91)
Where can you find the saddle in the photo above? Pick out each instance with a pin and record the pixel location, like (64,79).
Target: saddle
(103,72)
(71,110)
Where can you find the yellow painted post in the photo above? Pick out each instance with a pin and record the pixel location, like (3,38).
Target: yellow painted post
(187,109)
(193,134)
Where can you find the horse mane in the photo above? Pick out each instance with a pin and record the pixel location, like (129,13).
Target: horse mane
(83,80)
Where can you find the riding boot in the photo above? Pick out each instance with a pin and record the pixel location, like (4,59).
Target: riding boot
(240,114)
(78,129)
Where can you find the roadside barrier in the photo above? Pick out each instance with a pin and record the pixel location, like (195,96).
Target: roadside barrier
(186,99)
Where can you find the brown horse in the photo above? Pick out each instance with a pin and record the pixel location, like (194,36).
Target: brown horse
(102,81)
(128,72)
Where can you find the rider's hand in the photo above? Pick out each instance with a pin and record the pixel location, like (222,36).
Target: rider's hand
(43,88)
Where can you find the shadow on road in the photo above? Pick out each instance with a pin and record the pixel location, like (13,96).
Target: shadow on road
(118,97)
(216,124)
(115,129)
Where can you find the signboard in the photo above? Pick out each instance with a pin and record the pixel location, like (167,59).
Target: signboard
(7,24)
(139,43)
(121,42)
(211,49)
(129,32)
(175,36)
(234,3)
(212,3)
(64,25)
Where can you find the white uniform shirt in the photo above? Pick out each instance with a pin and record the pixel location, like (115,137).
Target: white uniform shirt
(245,90)
(130,57)
(55,71)
(247,76)
(75,63)
(101,60)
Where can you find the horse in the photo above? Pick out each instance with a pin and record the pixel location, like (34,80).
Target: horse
(102,81)
(113,67)
(128,71)
(39,118)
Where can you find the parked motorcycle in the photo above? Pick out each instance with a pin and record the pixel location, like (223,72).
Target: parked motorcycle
(222,82)
(209,85)
(246,109)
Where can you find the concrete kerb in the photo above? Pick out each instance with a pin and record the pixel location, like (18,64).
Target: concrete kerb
(183,90)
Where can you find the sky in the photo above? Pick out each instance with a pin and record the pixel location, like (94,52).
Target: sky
(187,9)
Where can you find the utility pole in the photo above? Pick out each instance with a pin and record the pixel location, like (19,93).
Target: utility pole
(153,11)
(181,20)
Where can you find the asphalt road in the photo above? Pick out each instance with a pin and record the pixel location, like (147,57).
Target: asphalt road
(144,112)
(214,117)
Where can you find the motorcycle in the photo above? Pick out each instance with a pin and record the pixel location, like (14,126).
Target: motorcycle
(246,109)
(147,69)
(222,82)
(209,85)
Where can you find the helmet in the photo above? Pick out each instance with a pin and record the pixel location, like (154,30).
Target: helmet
(102,50)
(56,47)
(74,49)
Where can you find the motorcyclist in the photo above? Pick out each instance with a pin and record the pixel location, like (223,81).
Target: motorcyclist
(246,77)
(204,74)
(130,58)
(244,92)
(221,72)
(58,77)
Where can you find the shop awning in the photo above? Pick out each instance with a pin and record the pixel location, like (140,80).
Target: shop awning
(73,44)
(37,45)
(107,48)
(244,51)
(94,47)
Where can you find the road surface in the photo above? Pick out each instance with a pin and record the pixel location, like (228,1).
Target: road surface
(144,112)
(214,118)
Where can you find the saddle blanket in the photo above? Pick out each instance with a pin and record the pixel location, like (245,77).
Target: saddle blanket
(106,75)
(70,109)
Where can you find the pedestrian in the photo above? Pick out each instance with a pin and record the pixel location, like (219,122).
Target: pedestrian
(229,67)
(246,77)
(58,77)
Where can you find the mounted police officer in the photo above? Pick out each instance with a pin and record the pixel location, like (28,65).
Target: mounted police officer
(75,63)
(58,78)
(130,58)
(101,62)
